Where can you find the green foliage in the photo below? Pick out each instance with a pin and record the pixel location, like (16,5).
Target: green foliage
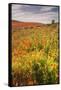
(47,49)
(39,46)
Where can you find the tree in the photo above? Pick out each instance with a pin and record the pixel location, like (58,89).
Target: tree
(53,21)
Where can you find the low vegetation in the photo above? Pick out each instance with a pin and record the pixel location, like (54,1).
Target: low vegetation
(35,55)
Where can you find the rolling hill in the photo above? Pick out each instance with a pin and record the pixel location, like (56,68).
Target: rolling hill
(17,24)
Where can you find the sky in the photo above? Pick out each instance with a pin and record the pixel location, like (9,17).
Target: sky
(34,13)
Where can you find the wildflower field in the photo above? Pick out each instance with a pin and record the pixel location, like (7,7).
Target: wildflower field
(35,55)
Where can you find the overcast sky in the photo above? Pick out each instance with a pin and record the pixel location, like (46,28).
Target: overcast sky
(33,13)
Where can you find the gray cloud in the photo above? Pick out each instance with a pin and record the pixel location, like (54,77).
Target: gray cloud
(32,13)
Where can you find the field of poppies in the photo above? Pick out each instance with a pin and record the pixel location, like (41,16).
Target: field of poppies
(35,55)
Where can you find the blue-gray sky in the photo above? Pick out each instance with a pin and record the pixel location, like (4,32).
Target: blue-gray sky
(32,13)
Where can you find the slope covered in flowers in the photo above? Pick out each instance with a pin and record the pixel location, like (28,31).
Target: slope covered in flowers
(35,56)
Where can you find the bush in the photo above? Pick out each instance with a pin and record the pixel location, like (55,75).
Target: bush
(45,72)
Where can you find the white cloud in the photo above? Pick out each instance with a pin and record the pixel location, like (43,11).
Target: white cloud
(46,8)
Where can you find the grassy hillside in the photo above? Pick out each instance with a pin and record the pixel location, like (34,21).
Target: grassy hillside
(34,54)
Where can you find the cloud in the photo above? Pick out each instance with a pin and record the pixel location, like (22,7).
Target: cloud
(34,13)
